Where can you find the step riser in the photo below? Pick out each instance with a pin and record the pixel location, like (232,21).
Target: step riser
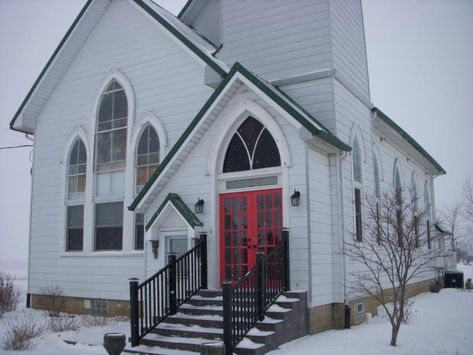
(290,324)
(188,334)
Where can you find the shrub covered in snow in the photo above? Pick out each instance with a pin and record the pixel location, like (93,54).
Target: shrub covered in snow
(10,295)
(64,323)
(21,332)
(90,320)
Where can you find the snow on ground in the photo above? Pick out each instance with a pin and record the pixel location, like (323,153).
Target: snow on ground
(442,324)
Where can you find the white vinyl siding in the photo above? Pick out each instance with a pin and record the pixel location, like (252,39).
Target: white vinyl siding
(133,43)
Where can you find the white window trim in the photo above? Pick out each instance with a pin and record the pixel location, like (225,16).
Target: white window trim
(128,219)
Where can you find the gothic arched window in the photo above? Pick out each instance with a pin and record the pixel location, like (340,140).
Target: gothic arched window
(147,156)
(357,163)
(251,147)
(76,178)
(110,164)
(377,184)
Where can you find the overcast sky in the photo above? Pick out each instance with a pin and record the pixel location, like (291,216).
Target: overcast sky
(420,56)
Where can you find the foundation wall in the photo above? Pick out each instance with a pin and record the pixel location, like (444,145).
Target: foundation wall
(332,316)
(76,305)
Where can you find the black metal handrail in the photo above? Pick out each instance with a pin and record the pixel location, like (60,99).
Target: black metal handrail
(246,301)
(160,295)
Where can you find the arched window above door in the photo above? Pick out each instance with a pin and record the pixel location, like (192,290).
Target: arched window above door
(251,147)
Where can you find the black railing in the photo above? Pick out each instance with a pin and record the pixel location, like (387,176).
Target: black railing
(161,294)
(246,301)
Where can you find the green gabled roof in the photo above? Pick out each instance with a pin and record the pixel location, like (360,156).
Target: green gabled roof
(181,207)
(408,138)
(305,119)
(206,57)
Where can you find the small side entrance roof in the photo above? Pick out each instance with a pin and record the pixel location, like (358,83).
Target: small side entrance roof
(174,200)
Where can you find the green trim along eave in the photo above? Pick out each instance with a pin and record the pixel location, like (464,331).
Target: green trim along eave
(237,67)
(48,64)
(199,52)
(184,9)
(408,138)
(181,208)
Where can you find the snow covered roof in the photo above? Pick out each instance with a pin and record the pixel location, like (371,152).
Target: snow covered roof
(397,135)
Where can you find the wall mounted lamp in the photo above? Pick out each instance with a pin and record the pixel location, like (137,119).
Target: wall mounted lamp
(155,247)
(199,206)
(296,198)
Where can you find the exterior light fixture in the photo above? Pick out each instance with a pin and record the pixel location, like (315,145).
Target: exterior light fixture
(199,206)
(296,198)
(155,247)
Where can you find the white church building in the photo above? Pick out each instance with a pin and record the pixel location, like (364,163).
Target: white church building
(236,119)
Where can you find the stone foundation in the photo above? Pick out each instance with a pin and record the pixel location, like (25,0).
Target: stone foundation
(78,305)
(332,316)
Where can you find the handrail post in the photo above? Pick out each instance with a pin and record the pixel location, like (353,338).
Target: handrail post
(287,276)
(260,288)
(203,261)
(227,316)
(134,319)
(172,284)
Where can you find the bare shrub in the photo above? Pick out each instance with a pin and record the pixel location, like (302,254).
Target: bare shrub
(90,320)
(64,323)
(20,333)
(10,295)
(53,297)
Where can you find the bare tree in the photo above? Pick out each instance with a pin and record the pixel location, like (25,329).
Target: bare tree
(468,199)
(394,252)
(451,217)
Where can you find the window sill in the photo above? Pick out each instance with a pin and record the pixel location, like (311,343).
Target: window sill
(111,253)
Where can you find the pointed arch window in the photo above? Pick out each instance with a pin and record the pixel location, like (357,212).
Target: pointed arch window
(251,147)
(397,185)
(110,164)
(357,161)
(416,208)
(147,156)
(110,139)
(76,179)
(147,161)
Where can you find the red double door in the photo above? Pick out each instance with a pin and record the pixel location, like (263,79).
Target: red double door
(249,221)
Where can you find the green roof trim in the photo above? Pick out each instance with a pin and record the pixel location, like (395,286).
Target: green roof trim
(181,207)
(207,58)
(48,64)
(442,230)
(184,9)
(269,90)
(201,54)
(408,138)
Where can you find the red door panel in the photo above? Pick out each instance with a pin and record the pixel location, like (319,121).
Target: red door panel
(248,221)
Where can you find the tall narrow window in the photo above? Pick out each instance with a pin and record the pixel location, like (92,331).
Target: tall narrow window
(110,163)
(358,221)
(76,176)
(399,219)
(147,161)
(377,183)
(427,213)
(357,176)
(251,147)
(147,156)
(416,209)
